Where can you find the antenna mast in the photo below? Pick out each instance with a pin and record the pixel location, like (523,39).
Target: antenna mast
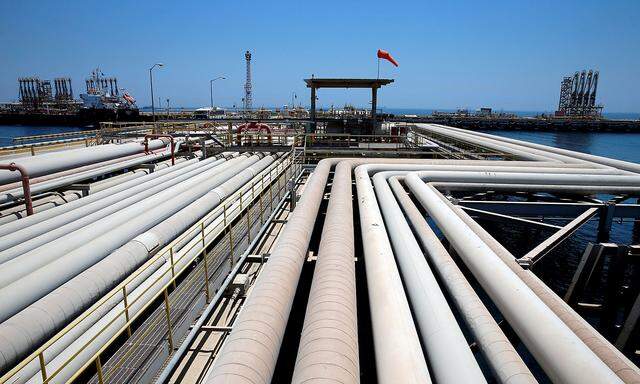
(247,85)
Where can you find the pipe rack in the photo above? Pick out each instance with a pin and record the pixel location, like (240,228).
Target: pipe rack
(122,251)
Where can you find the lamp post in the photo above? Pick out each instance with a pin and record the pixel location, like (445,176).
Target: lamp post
(153,108)
(211,88)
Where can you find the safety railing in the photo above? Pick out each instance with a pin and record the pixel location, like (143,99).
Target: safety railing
(52,145)
(152,337)
(130,298)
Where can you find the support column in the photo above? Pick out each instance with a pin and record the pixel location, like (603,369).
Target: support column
(313,109)
(605,221)
(374,107)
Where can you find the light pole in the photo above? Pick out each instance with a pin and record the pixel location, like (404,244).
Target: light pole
(211,88)
(153,107)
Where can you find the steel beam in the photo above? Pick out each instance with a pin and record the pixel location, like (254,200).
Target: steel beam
(507,218)
(554,240)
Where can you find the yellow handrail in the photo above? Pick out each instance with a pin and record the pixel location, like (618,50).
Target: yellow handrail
(229,209)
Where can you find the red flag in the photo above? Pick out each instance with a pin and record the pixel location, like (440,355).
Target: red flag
(385,55)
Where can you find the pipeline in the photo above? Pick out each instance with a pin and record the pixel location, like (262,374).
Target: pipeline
(619,363)
(502,357)
(141,290)
(63,181)
(26,239)
(556,348)
(40,204)
(44,164)
(175,359)
(448,353)
(51,176)
(564,345)
(329,341)
(51,266)
(619,164)
(93,197)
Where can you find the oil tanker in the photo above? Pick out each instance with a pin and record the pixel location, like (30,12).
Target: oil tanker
(43,102)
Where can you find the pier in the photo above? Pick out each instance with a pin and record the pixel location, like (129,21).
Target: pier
(210,252)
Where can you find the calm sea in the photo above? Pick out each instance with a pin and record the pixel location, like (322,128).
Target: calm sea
(8,132)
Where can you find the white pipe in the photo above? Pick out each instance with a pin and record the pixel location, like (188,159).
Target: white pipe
(27,239)
(328,349)
(47,163)
(93,197)
(608,353)
(558,350)
(449,356)
(47,277)
(500,354)
(620,164)
(141,291)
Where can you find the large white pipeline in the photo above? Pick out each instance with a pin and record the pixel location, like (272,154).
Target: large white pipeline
(399,357)
(63,181)
(143,288)
(35,180)
(500,354)
(44,202)
(574,179)
(48,276)
(448,352)
(251,349)
(40,204)
(624,368)
(93,197)
(620,364)
(517,150)
(329,341)
(556,348)
(24,240)
(59,161)
(615,163)
(17,264)
(253,345)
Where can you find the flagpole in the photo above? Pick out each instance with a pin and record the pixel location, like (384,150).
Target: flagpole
(378,68)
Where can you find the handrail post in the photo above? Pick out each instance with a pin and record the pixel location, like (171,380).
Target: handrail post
(168,315)
(99,370)
(230,229)
(206,267)
(271,191)
(126,309)
(43,367)
(248,214)
(173,267)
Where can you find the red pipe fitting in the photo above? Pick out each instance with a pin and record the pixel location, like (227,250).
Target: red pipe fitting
(256,127)
(26,188)
(156,136)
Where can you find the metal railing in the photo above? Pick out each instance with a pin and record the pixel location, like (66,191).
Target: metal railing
(39,147)
(177,260)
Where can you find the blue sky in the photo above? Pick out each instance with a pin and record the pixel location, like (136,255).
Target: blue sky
(503,54)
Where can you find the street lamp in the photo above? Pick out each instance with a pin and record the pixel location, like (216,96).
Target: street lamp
(211,88)
(153,108)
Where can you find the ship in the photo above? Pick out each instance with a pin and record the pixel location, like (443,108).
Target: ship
(45,103)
